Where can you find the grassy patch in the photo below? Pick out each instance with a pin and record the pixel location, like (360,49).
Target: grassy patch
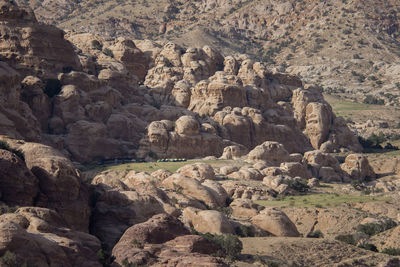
(347,109)
(318,200)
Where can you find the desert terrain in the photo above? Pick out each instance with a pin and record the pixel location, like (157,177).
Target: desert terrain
(117,150)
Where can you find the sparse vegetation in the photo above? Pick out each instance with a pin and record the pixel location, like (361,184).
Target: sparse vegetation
(391,251)
(348,239)
(369,99)
(136,243)
(244,231)
(230,246)
(108,52)
(97,45)
(316,234)
(318,200)
(376,228)
(4,145)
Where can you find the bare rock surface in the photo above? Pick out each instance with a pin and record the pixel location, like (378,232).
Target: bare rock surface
(40,236)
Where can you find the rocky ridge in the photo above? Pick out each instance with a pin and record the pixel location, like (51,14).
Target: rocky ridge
(191,100)
(348,47)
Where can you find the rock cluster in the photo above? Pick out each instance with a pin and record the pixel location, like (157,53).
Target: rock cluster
(96,98)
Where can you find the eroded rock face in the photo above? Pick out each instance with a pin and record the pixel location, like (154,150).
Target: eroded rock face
(18,186)
(134,60)
(218,91)
(271,152)
(60,184)
(40,236)
(357,167)
(164,241)
(186,140)
(28,45)
(115,211)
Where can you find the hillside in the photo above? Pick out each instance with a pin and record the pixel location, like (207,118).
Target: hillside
(126,152)
(351,48)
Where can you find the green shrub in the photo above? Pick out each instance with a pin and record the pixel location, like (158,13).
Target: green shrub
(391,251)
(7,209)
(9,259)
(53,87)
(316,234)
(4,145)
(349,239)
(298,185)
(357,184)
(376,228)
(136,243)
(229,246)
(369,246)
(153,155)
(108,52)
(97,45)
(369,99)
(104,256)
(227,211)
(244,231)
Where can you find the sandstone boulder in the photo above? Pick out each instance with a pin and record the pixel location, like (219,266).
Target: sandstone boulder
(358,167)
(271,152)
(187,125)
(190,187)
(198,171)
(244,208)
(34,48)
(234,152)
(134,60)
(207,221)
(318,122)
(157,230)
(39,236)
(275,222)
(220,90)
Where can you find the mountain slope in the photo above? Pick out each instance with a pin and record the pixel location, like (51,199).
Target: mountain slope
(349,47)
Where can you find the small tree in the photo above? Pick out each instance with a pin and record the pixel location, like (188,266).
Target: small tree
(108,52)
(97,45)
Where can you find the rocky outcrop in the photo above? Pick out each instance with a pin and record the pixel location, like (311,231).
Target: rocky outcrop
(134,60)
(358,167)
(185,140)
(199,171)
(191,187)
(207,221)
(39,236)
(18,186)
(61,187)
(31,47)
(275,222)
(325,167)
(164,241)
(271,152)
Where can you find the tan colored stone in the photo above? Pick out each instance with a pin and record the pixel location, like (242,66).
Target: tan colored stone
(275,222)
